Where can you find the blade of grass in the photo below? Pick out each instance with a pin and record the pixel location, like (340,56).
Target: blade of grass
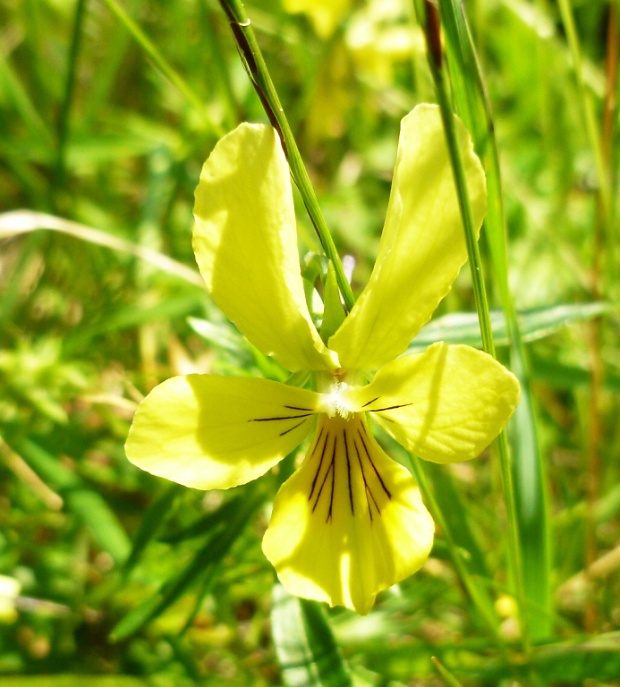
(57,179)
(26,221)
(526,467)
(594,136)
(150,525)
(163,65)
(431,24)
(527,480)
(449,679)
(304,643)
(14,92)
(535,324)
(525,470)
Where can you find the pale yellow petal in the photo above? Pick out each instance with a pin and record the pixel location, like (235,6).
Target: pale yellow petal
(245,243)
(349,523)
(212,432)
(422,247)
(445,405)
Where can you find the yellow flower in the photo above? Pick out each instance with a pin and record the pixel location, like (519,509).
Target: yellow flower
(350,521)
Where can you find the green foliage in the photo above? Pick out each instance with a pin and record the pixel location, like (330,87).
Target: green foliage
(107,113)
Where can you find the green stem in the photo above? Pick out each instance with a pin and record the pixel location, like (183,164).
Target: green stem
(63,120)
(432,26)
(527,482)
(592,131)
(256,68)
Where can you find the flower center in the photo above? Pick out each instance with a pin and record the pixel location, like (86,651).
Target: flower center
(335,400)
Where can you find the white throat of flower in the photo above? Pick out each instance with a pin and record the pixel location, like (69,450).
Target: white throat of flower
(335,399)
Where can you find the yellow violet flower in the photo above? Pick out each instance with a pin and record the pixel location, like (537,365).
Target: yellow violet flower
(350,521)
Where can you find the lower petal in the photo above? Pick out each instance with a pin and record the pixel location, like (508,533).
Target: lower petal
(212,432)
(350,522)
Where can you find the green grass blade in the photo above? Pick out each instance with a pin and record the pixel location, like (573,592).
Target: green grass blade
(523,476)
(58,178)
(25,221)
(13,93)
(162,64)
(435,59)
(447,676)
(306,649)
(534,324)
(150,525)
(569,663)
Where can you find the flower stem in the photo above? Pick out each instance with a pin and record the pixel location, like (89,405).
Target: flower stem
(435,59)
(256,68)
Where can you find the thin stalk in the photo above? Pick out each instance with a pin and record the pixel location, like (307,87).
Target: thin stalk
(592,131)
(256,68)
(58,178)
(595,334)
(527,470)
(435,58)
(445,674)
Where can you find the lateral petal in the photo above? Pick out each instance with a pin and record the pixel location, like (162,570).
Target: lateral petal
(445,405)
(422,247)
(213,432)
(349,523)
(246,247)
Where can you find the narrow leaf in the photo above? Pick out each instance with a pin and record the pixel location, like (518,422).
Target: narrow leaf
(306,649)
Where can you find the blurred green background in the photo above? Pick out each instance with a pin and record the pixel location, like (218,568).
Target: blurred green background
(112,578)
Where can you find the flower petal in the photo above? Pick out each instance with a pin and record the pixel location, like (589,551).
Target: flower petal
(445,405)
(422,247)
(349,523)
(246,247)
(212,432)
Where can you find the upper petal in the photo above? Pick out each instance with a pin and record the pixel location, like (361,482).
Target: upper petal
(422,247)
(246,246)
(212,432)
(349,523)
(445,405)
